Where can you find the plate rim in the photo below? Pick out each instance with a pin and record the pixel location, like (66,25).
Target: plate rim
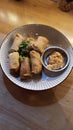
(23,27)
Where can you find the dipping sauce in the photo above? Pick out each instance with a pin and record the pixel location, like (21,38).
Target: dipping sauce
(55,61)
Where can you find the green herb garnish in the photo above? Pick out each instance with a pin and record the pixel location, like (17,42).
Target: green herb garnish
(24,49)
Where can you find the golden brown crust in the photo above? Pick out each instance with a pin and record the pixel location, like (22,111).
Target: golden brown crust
(36,65)
(25,68)
(40,44)
(16,43)
(14,62)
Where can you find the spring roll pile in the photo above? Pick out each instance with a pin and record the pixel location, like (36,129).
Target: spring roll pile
(24,56)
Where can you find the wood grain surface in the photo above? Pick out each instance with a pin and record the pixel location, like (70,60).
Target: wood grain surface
(21,109)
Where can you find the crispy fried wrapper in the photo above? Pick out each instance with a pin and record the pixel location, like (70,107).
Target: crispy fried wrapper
(40,44)
(36,65)
(14,63)
(25,72)
(16,43)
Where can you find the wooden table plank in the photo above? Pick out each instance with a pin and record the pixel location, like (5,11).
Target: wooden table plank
(2,36)
(21,109)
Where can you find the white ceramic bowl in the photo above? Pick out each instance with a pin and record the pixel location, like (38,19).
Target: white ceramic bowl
(46,54)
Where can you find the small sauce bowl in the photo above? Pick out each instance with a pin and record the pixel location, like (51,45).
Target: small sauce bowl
(45,58)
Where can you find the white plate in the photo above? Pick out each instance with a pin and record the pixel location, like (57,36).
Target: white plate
(55,37)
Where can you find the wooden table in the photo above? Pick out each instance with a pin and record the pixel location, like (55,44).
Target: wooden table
(21,109)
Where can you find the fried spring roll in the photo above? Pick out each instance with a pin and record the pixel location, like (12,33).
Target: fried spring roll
(36,65)
(16,43)
(32,41)
(14,62)
(40,44)
(25,69)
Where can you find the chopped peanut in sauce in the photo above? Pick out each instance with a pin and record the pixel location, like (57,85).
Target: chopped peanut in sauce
(55,61)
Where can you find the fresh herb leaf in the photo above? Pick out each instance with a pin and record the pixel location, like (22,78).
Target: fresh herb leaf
(23,48)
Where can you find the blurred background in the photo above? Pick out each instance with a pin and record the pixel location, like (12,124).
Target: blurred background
(14,13)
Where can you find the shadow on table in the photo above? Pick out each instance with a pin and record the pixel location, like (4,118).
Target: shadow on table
(27,115)
(38,98)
